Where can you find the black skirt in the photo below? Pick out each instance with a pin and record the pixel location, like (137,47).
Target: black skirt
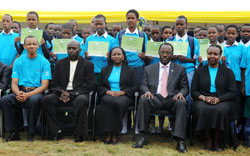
(110,112)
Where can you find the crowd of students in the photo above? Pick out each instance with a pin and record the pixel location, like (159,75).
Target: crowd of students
(236,57)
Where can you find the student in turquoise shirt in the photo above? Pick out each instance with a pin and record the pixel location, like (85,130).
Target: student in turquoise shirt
(100,36)
(75,26)
(134,59)
(245,64)
(189,62)
(8,51)
(233,52)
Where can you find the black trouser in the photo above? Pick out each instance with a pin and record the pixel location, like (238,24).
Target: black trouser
(179,109)
(10,104)
(80,103)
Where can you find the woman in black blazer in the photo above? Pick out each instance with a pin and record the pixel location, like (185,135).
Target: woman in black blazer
(117,86)
(213,90)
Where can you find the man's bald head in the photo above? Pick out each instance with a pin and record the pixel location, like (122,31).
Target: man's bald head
(74,50)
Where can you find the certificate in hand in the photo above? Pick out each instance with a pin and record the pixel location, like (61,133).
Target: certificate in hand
(204,44)
(60,45)
(96,48)
(131,43)
(38,34)
(153,48)
(180,48)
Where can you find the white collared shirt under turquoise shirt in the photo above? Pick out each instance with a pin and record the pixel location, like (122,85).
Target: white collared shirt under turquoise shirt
(245,63)
(100,61)
(234,54)
(189,66)
(31,72)
(8,50)
(245,44)
(133,59)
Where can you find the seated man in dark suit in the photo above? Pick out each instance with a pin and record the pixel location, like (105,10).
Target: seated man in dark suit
(164,87)
(5,73)
(73,79)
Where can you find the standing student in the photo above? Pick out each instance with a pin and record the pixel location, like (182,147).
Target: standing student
(115,29)
(50,30)
(32,20)
(7,40)
(134,59)
(166,32)
(203,33)
(245,35)
(92,25)
(101,35)
(58,31)
(233,51)
(191,59)
(16,27)
(147,29)
(75,26)
(221,32)
(196,31)
(86,32)
(156,33)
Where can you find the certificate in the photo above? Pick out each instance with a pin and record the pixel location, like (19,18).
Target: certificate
(131,43)
(38,34)
(153,48)
(180,48)
(96,48)
(222,48)
(60,45)
(204,44)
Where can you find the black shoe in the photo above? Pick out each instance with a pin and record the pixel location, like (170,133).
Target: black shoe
(181,147)
(57,136)
(30,137)
(142,141)
(14,136)
(79,138)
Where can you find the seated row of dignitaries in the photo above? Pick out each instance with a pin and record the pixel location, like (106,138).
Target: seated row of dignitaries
(73,79)
(164,87)
(30,78)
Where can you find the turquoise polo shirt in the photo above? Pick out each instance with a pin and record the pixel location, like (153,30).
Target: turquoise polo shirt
(189,66)
(78,38)
(100,61)
(31,72)
(8,50)
(245,63)
(234,56)
(133,59)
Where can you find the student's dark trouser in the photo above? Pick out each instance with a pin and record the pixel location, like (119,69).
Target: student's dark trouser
(9,104)
(80,103)
(179,109)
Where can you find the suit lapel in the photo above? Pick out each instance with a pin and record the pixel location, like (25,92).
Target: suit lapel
(123,73)
(155,74)
(67,69)
(78,68)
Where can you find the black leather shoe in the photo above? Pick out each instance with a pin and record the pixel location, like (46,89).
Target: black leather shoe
(30,137)
(13,137)
(142,141)
(181,147)
(79,138)
(57,136)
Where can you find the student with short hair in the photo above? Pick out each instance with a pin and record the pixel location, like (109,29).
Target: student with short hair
(233,51)
(86,32)
(101,35)
(245,35)
(30,78)
(75,26)
(50,30)
(147,29)
(221,33)
(196,31)
(202,33)
(7,40)
(156,33)
(16,27)
(32,20)
(115,29)
(134,59)
(58,31)
(166,32)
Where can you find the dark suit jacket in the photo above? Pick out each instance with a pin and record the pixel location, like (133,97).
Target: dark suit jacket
(224,82)
(83,81)
(177,79)
(5,74)
(128,80)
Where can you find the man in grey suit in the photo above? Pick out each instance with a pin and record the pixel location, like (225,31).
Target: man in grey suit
(164,87)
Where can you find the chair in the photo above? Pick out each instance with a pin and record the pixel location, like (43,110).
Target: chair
(68,111)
